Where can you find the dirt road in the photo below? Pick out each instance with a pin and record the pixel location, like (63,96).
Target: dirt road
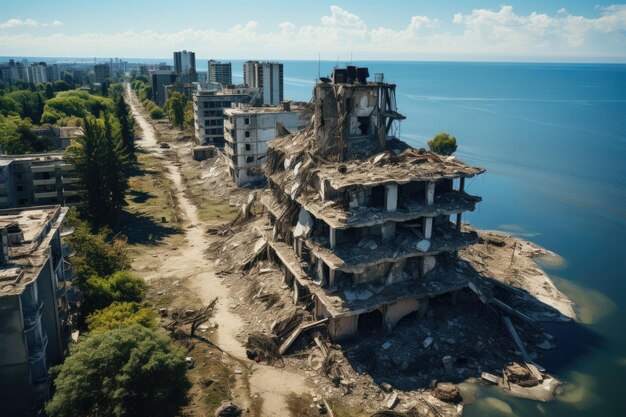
(269,383)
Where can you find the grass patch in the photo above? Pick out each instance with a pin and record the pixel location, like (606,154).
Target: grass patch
(148,202)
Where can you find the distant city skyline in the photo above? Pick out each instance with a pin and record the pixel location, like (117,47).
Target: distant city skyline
(581,31)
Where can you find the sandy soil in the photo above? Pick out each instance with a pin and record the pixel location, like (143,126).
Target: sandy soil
(188,261)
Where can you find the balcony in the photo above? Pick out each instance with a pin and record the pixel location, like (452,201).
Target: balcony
(61,288)
(67,231)
(47,194)
(67,271)
(69,180)
(67,167)
(69,193)
(48,181)
(43,168)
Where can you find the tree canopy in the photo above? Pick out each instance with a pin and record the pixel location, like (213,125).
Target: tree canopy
(120,314)
(443,144)
(99,157)
(129,371)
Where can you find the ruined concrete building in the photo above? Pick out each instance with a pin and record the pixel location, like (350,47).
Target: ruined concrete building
(35,324)
(358,218)
(248,129)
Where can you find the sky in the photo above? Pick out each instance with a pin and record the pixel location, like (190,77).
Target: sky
(528,30)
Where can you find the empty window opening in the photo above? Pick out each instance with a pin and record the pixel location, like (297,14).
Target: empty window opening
(247,133)
(364,125)
(246,121)
(247,146)
(378,197)
(370,323)
(250,159)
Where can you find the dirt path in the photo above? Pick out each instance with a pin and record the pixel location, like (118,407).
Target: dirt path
(269,383)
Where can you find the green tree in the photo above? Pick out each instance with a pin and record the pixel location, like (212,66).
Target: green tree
(99,159)
(443,144)
(130,371)
(175,106)
(95,255)
(62,85)
(68,77)
(101,292)
(156,113)
(9,106)
(123,115)
(120,314)
(49,91)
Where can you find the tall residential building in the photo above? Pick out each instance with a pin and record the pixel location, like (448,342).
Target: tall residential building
(220,72)
(37,73)
(185,66)
(159,79)
(35,325)
(37,179)
(102,72)
(53,73)
(247,131)
(209,105)
(266,76)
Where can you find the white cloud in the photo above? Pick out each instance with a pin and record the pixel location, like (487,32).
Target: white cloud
(12,23)
(498,34)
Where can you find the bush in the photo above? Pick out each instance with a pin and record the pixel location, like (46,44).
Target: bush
(120,314)
(156,113)
(130,371)
(443,144)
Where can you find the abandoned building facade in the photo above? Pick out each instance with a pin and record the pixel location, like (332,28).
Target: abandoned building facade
(357,218)
(37,179)
(208,107)
(247,131)
(35,326)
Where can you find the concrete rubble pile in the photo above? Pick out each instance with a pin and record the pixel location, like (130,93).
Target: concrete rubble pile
(356,265)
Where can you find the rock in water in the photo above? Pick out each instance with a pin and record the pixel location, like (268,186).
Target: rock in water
(448,392)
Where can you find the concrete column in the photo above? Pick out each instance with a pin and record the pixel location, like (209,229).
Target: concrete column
(333,237)
(458,221)
(428,228)
(430,193)
(320,270)
(391,197)
(388,232)
(299,247)
(331,278)
(462,184)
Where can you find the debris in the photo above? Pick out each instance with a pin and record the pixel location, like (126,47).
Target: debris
(490,378)
(263,347)
(423,245)
(297,332)
(386,345)
(427,342)
(391,400)
(228,409)
(448,363)
(163,312)
(190,362)
(516,338)
(447,392)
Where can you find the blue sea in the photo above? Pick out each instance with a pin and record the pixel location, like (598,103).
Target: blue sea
(553,140)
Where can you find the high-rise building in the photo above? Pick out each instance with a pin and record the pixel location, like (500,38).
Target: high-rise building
(37,73)
(266,76)
(35,325)
(52,73)
(220,72)
(102,72)
(185,66)
(158,80)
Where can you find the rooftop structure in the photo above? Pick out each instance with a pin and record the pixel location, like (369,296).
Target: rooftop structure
(358,218)
(159,79)
(247,131)
(34,315)
(209,105)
